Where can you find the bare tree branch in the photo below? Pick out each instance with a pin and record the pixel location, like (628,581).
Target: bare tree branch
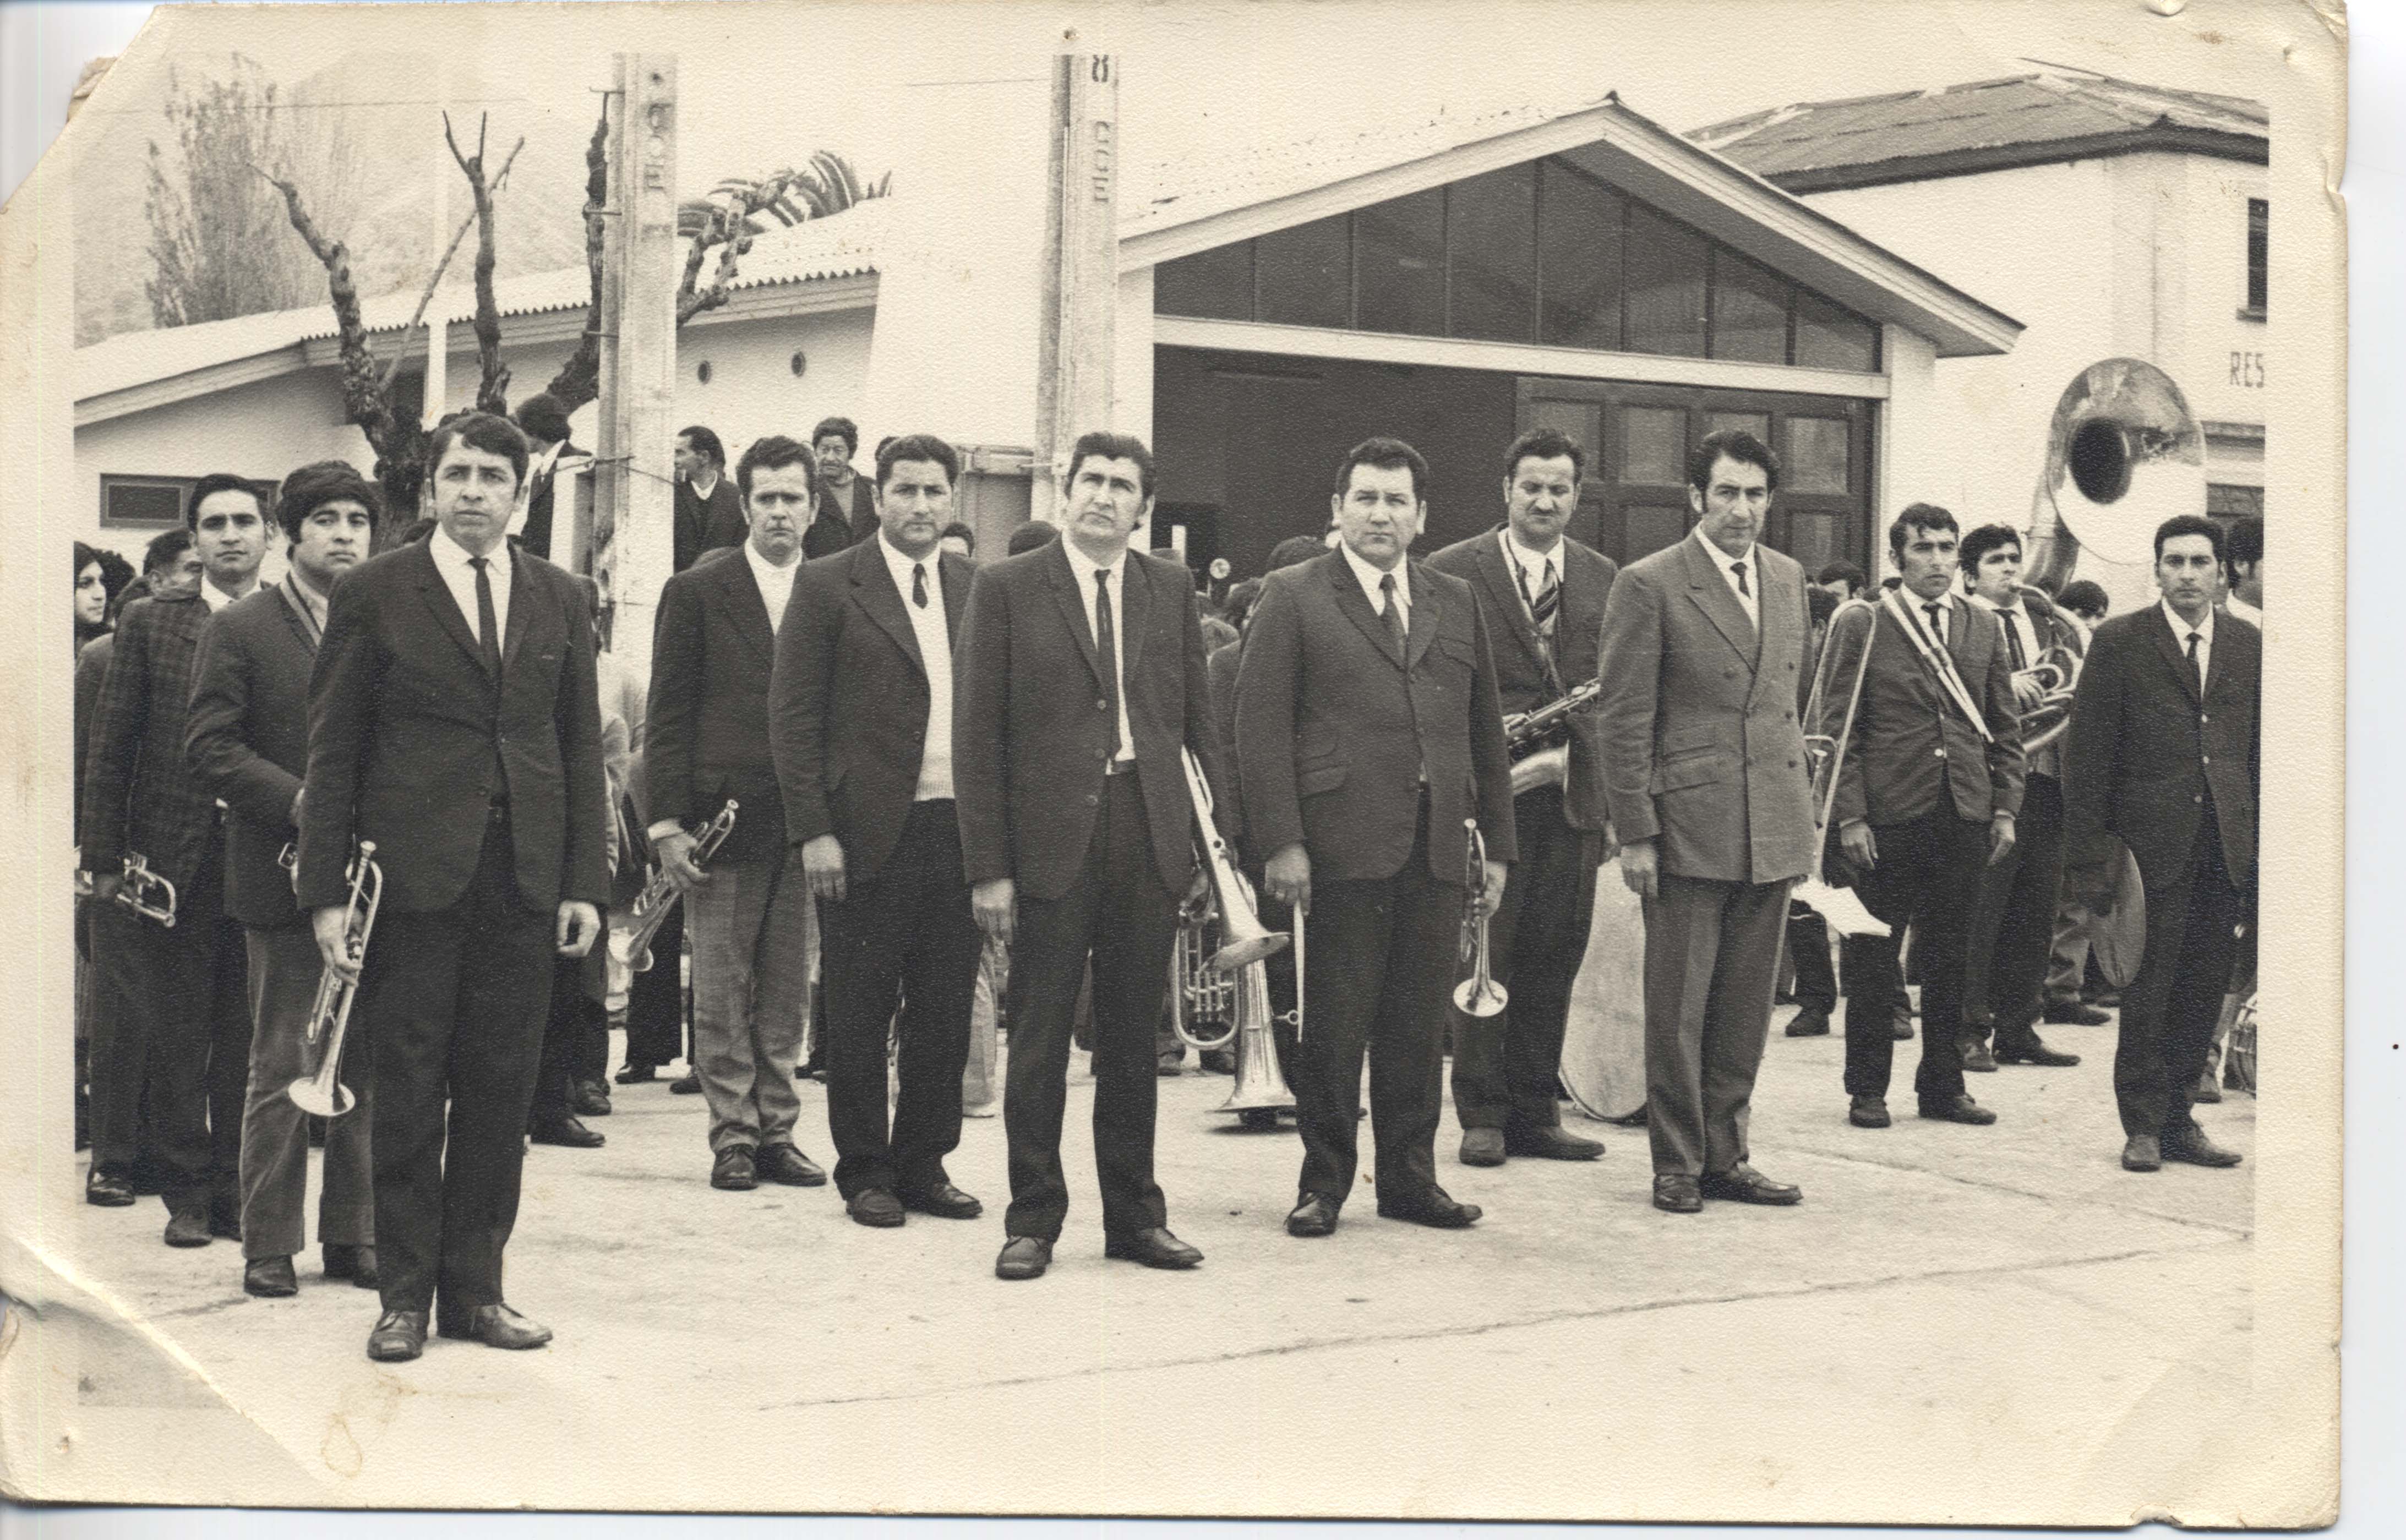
(579,380)
(493,384)
(392,366)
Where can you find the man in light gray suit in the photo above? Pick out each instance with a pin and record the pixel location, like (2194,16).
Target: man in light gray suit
(1704,772)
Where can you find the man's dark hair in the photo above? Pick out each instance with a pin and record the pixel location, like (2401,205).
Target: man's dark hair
(1730,443)
(478,431)
(1033,535)
(1980,542)
(421,529)
(1543,443)
(114,570)
(1383,454)
(1916,515)
(1242,597)
(1843,571)
(963,531)
(542,417)
(1819,602)
(164,549)
(844,428)
(2246,540)
(319,483)
(705,444)
(137,588)
(1295,548)
(2193,523)
(922,448)
(774,453)
(1111,445)
(210,486)
(2085,599)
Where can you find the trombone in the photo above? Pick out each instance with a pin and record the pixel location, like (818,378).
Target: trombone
(1203,976)
(321,1092)
(147,893)
(1479,995)
(634,949)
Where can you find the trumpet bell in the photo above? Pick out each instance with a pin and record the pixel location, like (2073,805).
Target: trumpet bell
(322,1101)
(1481,997)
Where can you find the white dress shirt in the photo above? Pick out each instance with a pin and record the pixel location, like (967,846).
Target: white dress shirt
(2015,619)
(2204,630)
(1536,568)
(1749,598)
(1084,571)
(217,598)
(1369,576)
(927,624)
(451,565)
(776,583)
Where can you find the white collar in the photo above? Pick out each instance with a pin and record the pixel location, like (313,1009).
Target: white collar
(698,489)
(2204,628)
(900,565)
(2013,608)
(1085,567)
(449,552)
(1369,576)
(1533,561)
(217,599)
(767,571)
(1719,557)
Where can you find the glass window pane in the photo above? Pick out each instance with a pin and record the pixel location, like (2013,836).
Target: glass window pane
(1647,531)
(1306,274)
(1813,540)
(1576,420)
(1218,284)
(1664,269)
(1492,241)
(1580,251)
(1750,311)
(1401,248)
(1653,445)
(1815,457)
(1757,423)
(1828,337)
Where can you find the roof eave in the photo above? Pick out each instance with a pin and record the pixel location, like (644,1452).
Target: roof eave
(2255,149)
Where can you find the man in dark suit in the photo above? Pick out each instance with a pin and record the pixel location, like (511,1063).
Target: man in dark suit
(1704,671)
(705,742)
(861,720)
(247,737)
(708,512)
(454,720)
(1927,797)
(1369,736)
(847,514)
(1080,679)
(1541,595)
(173,1044)
(2164,754)
(548,452)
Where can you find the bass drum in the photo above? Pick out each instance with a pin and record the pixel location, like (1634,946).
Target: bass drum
(1603,1043)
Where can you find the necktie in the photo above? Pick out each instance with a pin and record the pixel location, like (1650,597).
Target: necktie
(1392,611)
(1548,598)
(2194,638)
(1739,568)
(2014,640)
(1937,629)
(489,645)
(1106,653)
(919,584)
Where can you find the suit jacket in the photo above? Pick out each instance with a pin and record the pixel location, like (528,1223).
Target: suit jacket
(1912,749)
(848,710)
(1701,747)
(706,525)
(706,717)
(1520,680)
(411,738)
(1334,728)
(2048,624)
(247,739)
(1031,731)
(1221,668)
(139,795)
(535,534)
(2147,747)
(91,673)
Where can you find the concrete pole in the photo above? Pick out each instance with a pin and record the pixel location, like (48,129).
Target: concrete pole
(1076,329)
(635,530)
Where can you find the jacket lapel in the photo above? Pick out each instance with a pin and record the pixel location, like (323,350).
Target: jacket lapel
(1356,605)
(2175,654)
(956,572)
(1504,592)
(524,592)
(1779,598)
(1422,613)
(746,605)
(1711,592)
(1135,614)
(872,589)
(436,595)
(295,623)
(1064,583)
(1971,658)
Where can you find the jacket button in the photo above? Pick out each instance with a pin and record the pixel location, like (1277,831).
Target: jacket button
(2198,798)
(1791,764)
(2205,759)
(1102,754)
(1940,753)
(1102,705)
(1091,799)
(1728,674)
(2202,719)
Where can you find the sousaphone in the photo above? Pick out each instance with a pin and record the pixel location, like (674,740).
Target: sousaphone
(2123,455)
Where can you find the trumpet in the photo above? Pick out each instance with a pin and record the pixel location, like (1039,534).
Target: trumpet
(1538,740)
(321,1092)
(147,893)
(1479,995)
(660,895)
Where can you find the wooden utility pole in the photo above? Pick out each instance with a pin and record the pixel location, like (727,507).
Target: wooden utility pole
(1081,289)
(634,524)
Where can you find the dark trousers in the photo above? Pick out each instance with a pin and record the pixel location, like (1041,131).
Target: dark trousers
(1712,961)
(172,1045)
(1926,876)
(656,999)
(2169,1011)
(1118,913)
(2013,925)
(1809,951)
(575,1033)
(1506,1066)
(284,971)
(1379,973)
(454,1002)
(907,939)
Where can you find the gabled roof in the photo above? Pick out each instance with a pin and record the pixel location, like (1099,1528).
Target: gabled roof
(1983,125)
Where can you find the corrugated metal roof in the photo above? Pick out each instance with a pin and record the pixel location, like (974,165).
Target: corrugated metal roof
(2025,112)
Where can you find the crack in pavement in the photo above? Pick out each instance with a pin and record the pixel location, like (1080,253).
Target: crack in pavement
(2241,1231)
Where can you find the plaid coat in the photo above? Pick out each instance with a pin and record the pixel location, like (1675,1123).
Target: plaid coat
(139,793)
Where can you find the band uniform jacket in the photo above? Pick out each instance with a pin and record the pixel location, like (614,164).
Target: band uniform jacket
(247,739)
(848,711)
(411,738)
(1913,747)
(1031,727)
(140,796)
(90,671)
(1586,576)
(2147,746)
(1334,728)
(706,524)
(1703,749)
(706,716)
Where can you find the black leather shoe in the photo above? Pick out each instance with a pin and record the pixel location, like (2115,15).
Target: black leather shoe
(1811,1021)
(2190,1147)
(637,1074)
(942,1199)
(107,1189)
(1170,1066)
(567,1130)
(1154,1247)
(876,1208)
(399,1336)
(1743,1183)
(1867,1112)
(589,1100)
(1958,1110)
(787,1166)
(1976,1056)
(2206,1091)
(270,1277)
(2073,1013)
(1678,1194)
(2142,1152)
(1434,1209)
(733,1171)
(1550,1144)
(2029,1050)
(1216,1060)
(225,1224)
(1024,1257)
(188,1227)
(355,1262)
(495,1326)
(1901,1026)
(1314,1216)
(1258,1120)
(687,1084)
(1483,1147)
